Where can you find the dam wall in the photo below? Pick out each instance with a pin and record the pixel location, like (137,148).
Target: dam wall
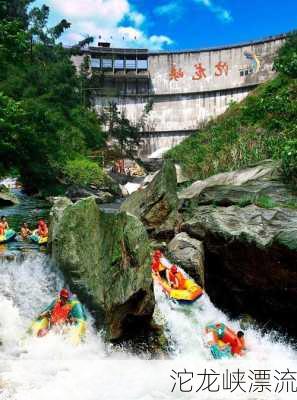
(185,88)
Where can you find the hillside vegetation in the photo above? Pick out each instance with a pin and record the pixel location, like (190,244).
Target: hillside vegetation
(262,126)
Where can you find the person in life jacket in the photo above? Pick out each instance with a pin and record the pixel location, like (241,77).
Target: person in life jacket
(229,337)
(42,228)
(4,223)
(65,309)
(175,278)
(2,230)
(157,266)
(156,263)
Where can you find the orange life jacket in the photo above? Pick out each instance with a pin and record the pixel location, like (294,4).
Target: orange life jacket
(2,229)
(43,230)
(178,279)
(237,344)
(60,313)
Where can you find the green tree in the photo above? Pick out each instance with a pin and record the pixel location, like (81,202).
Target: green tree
(119,129)
(43,123)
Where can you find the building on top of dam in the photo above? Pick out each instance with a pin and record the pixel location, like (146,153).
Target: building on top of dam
(185,88)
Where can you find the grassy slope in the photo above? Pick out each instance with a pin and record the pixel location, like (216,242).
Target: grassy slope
(255,129)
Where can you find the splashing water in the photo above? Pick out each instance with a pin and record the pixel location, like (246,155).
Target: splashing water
(52,368)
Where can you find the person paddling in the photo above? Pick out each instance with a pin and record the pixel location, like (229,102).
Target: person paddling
(25,231)
(175,278)
(42,229)
(229,337)
(65,309)
(59,310)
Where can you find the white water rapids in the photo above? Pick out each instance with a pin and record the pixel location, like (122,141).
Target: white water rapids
(51,368)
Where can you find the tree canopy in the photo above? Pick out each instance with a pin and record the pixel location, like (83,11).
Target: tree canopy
(43,123)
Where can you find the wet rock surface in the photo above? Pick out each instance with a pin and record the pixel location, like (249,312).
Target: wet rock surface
(156,205)
(189,254)
(106,257)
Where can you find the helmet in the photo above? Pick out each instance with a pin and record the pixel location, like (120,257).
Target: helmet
(173,269)
(64,293)
(157,254)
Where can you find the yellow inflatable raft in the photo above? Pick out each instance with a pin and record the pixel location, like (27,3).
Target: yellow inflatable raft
(191,292)
(75,332)
(42,241)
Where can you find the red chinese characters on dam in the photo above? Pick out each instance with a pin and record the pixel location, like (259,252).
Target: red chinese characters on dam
(199,72)
(221,68)
(176,73)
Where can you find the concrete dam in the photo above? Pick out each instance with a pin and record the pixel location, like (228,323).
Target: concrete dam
(184,89)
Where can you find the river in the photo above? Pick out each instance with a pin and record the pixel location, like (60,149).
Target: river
(51,368)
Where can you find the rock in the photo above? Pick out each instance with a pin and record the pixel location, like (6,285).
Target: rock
(106,257)
(156,205)
(59,204)
(250,260)
(152,164)
(251,193)
(180,177)
(149,178)
(189,254)
(265,170)
(77,193)
(6,197)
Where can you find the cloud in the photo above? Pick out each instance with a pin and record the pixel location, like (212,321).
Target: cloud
(137,18)
(170,9)
(221,13)
(113,20)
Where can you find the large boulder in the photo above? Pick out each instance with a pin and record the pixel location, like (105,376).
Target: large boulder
(6,197)
(267,169)
(76,193)
(256,192)
(106,258)
(250,260)
(189,254)
(156,205)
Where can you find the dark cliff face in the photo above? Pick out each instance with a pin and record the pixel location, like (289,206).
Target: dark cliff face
(250,261)
(247,221)
(243,278)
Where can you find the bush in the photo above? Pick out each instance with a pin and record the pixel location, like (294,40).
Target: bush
(289,161)
(286,61)
(83,172)
(265,202)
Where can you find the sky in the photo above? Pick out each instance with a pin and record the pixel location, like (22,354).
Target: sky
(173,24)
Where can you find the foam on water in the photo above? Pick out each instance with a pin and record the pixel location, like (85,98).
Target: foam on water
(52,368)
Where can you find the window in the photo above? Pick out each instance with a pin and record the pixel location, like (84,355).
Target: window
(107,63)
(142,64)
(130,64)
(95,63)
(119,64)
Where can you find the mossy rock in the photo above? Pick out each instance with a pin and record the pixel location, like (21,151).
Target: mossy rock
(107,259)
